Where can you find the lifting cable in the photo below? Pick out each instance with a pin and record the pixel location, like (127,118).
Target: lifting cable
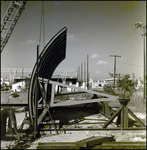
(42,22)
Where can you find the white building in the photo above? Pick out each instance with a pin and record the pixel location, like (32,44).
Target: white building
(95,83)
(18,86)
(110,81)
(5,81)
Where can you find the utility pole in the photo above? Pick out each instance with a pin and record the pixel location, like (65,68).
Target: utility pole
(79,77)
(87,71)
(22,78)
(114,66)
(78,73)
(143,27)
(144,53)
(133,77)
(84,70)
(81,73)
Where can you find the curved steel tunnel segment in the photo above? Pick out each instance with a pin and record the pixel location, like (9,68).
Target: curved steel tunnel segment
(50,57)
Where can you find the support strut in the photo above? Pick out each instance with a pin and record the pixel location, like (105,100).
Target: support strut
(122,114)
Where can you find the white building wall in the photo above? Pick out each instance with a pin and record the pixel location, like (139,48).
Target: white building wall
(18,86)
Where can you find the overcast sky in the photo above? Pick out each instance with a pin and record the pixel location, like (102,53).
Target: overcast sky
(95,28)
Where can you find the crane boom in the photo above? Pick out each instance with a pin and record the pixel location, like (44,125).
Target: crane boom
(10,19)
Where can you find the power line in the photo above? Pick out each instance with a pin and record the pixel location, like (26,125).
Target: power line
(127,51)
(131,47)
(129,43)
(130,64)
(124,40)
(122,43)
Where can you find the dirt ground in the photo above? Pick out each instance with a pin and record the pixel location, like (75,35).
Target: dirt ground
(73,136)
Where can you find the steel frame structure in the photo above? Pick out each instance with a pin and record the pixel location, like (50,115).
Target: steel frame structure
(10,19)
(106,97)
(41,93)
(47,61)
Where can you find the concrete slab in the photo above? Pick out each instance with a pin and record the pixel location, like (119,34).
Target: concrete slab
(8,100)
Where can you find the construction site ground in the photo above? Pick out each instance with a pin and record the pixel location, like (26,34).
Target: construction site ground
(74,136)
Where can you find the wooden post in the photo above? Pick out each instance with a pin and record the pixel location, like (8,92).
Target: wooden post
(122,117)
(52,94)
(125,116)
(124,113)
(106,109)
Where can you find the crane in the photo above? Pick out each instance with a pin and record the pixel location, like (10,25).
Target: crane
(10,19)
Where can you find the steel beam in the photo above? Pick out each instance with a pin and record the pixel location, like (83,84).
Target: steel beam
(134,116)
(121,145)
(50,57)
(98,129)
(113,116)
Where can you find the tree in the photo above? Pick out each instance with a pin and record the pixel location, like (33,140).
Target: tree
(126,87)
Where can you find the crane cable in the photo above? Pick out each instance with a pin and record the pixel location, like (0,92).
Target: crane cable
(42,22)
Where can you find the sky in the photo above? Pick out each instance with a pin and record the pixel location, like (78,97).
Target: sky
(94,28)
